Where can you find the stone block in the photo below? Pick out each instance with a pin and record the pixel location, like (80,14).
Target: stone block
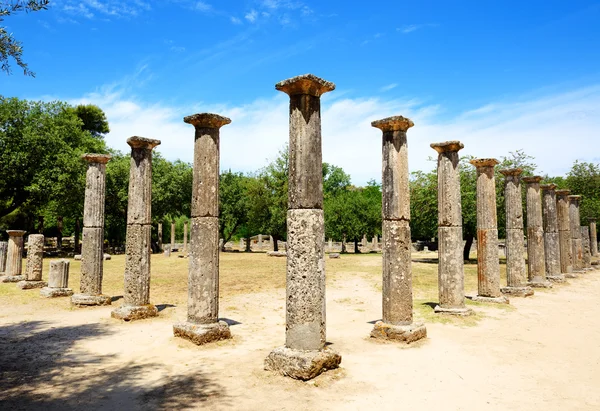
(201,334)
(301,365)
(277,254)
(540,284)
(13,278)
(401,333)
(463,312)
(334,255)
(558,278)
(132,313)
(493,300)
(517,291)
(106,257)
(77,257)
(56,292)
(29,285)
(85,300)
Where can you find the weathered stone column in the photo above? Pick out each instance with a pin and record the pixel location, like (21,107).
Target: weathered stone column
(488,262)
(451,276)
(172,235)
(536,260)
(593,237)
(304,355)
(3,252)
(159,235)
(14,257)
(576,233)
(138,249)
(587,251)
(551,236)
(564,233)
(203,323)
(397,301)
(185,237)
(35,263)
(516,272)
(92,248)
(58,280)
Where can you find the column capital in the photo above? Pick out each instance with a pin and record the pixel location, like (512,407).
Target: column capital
(16,233)
(142,142)
(591,219)
(305,84)
(447,146)
(563,192)
(511,171)
(394,123)
(532,179)
(207,120)
(548,187)
(484,162)
(96,158)
(575,198)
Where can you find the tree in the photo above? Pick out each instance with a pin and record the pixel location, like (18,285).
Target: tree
(233,204)
(9,46)
(584,179)
(93,119)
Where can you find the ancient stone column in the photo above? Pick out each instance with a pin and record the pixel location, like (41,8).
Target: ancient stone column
(516,271)
(304,355)
(35,263)
(587,251)
(58,280)
(3,252)
(172,236)
(564,233)
(203,323)
(451,276)
(576,242)
(593,237)
(260,242)
(185,237)
(14,257)
(488,262)
(536,260)
(551,235)
(397,297)
(160,234)
(92,248)
(138,247)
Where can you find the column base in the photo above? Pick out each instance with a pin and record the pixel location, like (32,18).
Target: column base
(134,312)
(301,365)
(540,284)
(558,278)
(517,291)
(201,334)
(277,254)
(570,275)
(85,299)
(56,292)
(401,333)
(13,278)
(453,311)
(494,300)
(29,285)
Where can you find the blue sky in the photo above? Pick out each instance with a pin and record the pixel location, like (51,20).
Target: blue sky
(497,75)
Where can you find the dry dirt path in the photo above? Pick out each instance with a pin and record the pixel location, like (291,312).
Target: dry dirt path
(545,354)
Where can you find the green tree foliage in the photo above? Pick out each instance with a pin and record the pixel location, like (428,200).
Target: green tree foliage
(233,204)
(9,46)
(93,119)
(584,179)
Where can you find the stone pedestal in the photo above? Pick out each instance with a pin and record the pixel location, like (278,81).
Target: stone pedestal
(488,263)
(575,221)
(203,325)
(58,280)
(564,233)
(593,238)
(35,263)
(138,250)
(397,298)
(92,248)
(536,259)
(451,276)
(14,257)
(3,253)
(551,234)
(304,355)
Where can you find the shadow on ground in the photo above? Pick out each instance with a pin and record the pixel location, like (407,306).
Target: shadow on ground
(41,367)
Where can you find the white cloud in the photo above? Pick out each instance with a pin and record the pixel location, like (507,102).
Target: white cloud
(112,8)
(203,6)
(251,16)
(555,129)
(413,27)
(388,87)
(236,20)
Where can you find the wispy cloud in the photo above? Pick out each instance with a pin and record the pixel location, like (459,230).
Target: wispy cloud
(414,27)
(235,20)
(251,16)
(90,9)
(388,87)
(203,6)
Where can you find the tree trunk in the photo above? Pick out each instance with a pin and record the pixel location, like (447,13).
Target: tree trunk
(59,236)
(469,242)
(275,245)
(356,249)
(344,251)
(77,236)
(248,240)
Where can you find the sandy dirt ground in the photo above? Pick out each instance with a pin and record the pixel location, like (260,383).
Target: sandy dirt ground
(544,354)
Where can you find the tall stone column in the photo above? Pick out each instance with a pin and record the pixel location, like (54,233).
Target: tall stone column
(551,235)
(159,235)
(3,252)
(536,260)
(576,233)
(14,257)
(172,235)
(564,233)
(593,237)
(138,247)
(304,355)
(397,296)
(451,276)
(185,237)
(516,272)
(488,262)
(587,251)
(35,263)
(92,248)
(203,323)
